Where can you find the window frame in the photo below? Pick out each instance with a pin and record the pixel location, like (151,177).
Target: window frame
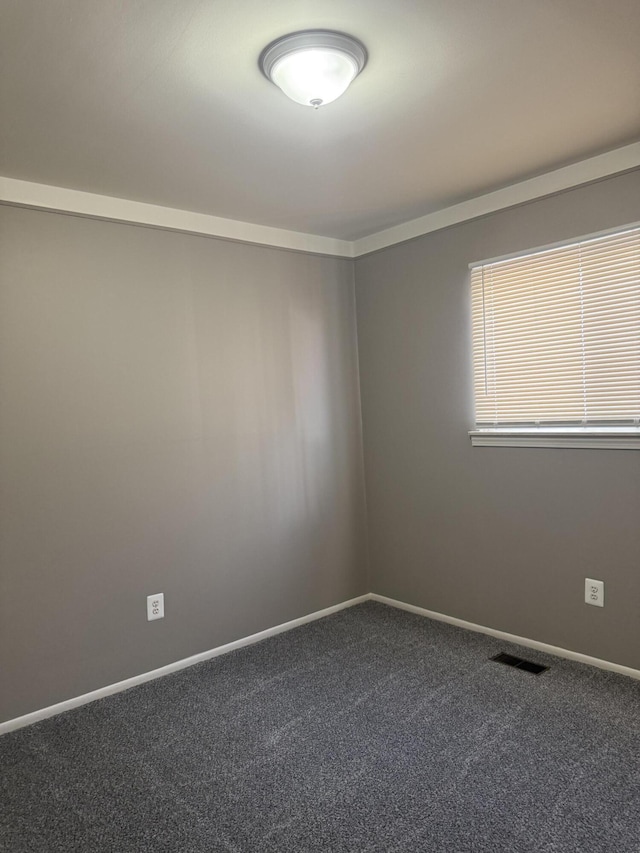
(622,437)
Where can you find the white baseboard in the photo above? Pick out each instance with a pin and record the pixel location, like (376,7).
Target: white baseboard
(510,638)
(118,687)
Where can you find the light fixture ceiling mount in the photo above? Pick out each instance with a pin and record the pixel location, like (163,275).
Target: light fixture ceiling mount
(313,67)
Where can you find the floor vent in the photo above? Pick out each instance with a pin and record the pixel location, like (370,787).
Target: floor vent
(519,663)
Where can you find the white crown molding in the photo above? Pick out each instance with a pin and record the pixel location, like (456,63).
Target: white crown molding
(63,200)
(509,638)
(118,687)
(593,169)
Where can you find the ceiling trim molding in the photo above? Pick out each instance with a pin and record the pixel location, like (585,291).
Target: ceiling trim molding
(91,205)
(593,169)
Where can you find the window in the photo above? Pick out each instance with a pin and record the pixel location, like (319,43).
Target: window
(556,345)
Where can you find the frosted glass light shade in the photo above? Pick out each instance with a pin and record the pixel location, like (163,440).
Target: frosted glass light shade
(313,68)
(314,77)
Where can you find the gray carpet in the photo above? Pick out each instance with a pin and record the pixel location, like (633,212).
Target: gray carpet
(371,730)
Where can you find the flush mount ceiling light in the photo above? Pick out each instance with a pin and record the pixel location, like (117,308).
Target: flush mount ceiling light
(313,67)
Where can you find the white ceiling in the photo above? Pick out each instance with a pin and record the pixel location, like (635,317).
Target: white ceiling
(162,101)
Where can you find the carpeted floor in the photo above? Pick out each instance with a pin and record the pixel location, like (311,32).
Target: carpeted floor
(371,730)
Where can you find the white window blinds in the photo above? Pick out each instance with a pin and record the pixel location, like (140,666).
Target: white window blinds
(556,335)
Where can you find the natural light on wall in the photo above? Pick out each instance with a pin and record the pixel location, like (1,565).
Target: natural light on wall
(556,345)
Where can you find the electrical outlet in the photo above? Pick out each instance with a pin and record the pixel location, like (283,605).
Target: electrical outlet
(594,592)
(155,606)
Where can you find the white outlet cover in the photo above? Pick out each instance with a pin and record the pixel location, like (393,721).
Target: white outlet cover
(155,606)
(594,592)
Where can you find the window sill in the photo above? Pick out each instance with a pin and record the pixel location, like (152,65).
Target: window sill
(601,439)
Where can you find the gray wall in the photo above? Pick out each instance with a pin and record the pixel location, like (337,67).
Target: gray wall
(178,415)
(181,415)
(503,537)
